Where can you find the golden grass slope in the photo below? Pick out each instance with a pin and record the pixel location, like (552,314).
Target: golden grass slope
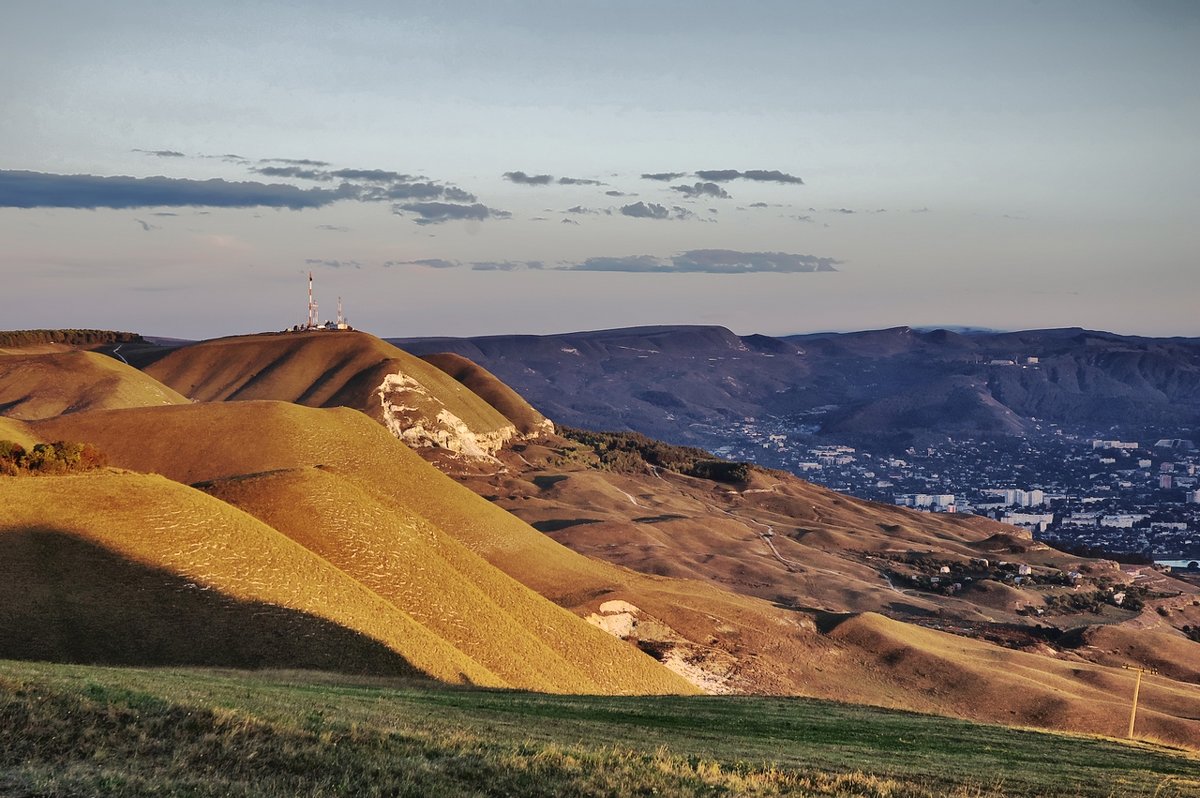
(488,387)
(729,641)
(408,560)
(356,511)
(16,431)
(971,679)
(178,531)
(37,386)
(418,402)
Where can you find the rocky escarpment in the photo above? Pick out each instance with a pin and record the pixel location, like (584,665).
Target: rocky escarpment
(405,407)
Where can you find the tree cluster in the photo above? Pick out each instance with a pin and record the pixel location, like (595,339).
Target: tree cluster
(633,453)
(59,457)
(69,337)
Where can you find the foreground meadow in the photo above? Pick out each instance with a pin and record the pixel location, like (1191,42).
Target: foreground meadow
(86,730)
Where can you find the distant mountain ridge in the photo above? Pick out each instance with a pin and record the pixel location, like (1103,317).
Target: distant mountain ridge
(673,382)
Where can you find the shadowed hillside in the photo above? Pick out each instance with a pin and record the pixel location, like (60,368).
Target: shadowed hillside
(67,599)
(417,402)
(358,513)
(153,523)
(35,386)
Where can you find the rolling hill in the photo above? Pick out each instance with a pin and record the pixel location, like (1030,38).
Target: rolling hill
(49,383)
(289,466)
(419,403)
(326,482)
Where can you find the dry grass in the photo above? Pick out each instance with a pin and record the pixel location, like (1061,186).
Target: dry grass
(353,516)
(409,560)
(37,386)
(13,430)
(488,387)
(158,524)
(319,369)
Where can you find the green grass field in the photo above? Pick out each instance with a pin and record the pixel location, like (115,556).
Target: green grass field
(84,730)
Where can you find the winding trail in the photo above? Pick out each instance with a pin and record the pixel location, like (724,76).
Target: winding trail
(629,496)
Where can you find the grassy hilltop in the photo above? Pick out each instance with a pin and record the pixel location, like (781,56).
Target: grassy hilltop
(71,730)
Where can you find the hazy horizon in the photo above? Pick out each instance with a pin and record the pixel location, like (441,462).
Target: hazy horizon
(531,168)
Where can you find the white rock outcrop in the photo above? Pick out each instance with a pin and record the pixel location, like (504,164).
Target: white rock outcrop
(415,416)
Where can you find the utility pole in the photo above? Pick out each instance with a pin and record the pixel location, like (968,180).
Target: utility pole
(1137,688)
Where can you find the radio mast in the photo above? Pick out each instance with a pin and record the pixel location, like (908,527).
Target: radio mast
(313,320)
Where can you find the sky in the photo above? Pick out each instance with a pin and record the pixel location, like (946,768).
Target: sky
(177,168)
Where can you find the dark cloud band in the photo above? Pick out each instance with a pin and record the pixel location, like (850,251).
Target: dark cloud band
(528,180)
(439,212)
(21,189)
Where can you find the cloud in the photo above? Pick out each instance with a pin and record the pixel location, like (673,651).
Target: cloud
(709,261)
(431,263)
(652,210)
(615,193)
(528,180)
(333,264)
(577,181)
(507,265)
(403,191)
(771,176)
(298,172)
(21,189)
(336,228)
(702,190)
(293,161)
(696,261)
(147,226)
(642,210)
(164,213)
(663,176)
(456,194)
(372,175)
(580,209)
(841,210)
(161,153)
(759,205)
(721,175)
(569,221)
(761,175)
(438,212)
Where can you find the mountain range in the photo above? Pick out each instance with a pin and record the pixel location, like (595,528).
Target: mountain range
(898,386)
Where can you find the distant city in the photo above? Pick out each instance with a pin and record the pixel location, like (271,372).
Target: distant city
(1122,496)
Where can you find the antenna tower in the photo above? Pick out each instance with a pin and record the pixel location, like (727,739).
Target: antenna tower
(313,319)
(341,318)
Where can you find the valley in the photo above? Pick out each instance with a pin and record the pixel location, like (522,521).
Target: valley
(889,415)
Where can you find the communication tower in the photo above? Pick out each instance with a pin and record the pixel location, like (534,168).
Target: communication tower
(313,320)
